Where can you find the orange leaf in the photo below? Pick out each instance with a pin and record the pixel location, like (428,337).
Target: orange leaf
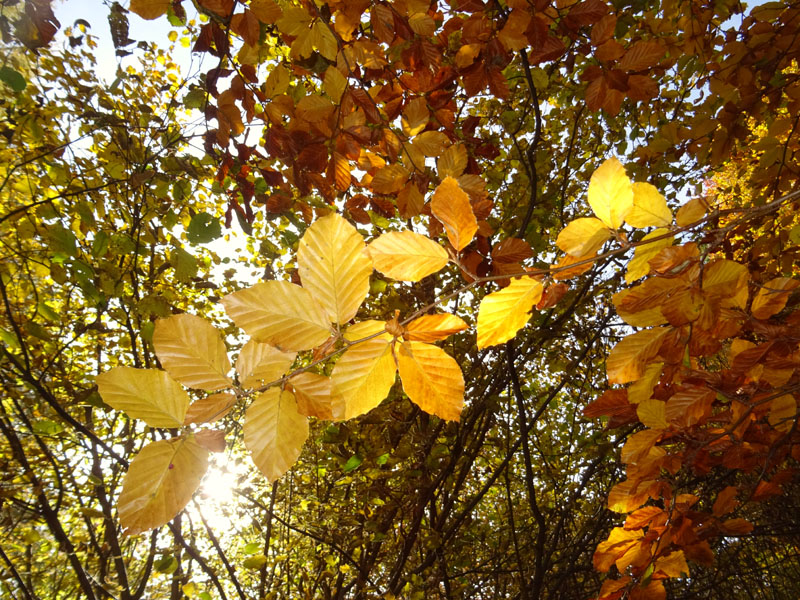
(451,206)
(628,359)
(431,328)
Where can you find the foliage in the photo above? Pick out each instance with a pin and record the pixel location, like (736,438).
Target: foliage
(489,199)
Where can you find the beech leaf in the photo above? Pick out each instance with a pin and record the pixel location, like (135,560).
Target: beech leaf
(583,236)
(611,193)
(431,379)
(450,205)
(363,376)
(503,313)
(258,363)
(406,255)
(147,394)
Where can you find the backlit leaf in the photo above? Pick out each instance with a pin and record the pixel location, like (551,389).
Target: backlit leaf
(150,9)
(191,350)
(279,313)
(209,409)
(672,565)
(772,296)
(450,205)
(628,359)
(452,161)
(506,311)
(406,255)
(639,266)
(611,193)
(649,207)
(652,413)
(583,236)
(363,376)
(258,363)
(431,379)
(691,212)
(147,394)
(432,328)
(160,482)
(315,398)
(274,432)
(334,266)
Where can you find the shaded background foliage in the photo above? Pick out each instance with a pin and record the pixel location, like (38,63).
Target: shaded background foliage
(110,199)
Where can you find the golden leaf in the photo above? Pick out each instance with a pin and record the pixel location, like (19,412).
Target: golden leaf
(452,161)
(191,350)
(315,398)
(389,179)
(334,266)
(266,11)
(314,108)
(363,376)
(641,446)
(358,331)
(649,207)
(506,311)
(691,212)
(209,409)
(406,255)
(640,264)
(583,236)
(628,359)
(652,413)
(672,565)
(772,297)
(160,482)
(258,364)
(431,379)
(783,413)
(432,328)
(334,83)
(415,116)
(431,143)
(150,9)
(274,432)
(279,313)
(611,193)
(147,394)
(450,205)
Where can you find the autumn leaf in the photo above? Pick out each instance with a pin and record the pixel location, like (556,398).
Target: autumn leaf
(315,397)
(274,432)
(363,376)
(639,266)
(279,313)
(649,207)
(150,9)
(652,413)
(147,394)
(191,350)
(503,313)
(432,328)
(334,267)
(209,409)
(611,193)
(583,236)
(628,359)
(431,379)
(258,364)
(450,205)
(406,255)
(691,212)
(160,482)
(772,296)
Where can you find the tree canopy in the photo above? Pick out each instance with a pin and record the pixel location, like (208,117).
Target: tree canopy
(410,299)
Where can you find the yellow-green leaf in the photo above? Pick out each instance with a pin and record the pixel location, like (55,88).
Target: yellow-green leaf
(503,313)
(431,379)
(191,350)
(649,207)
(274,432)
(611,193)
(334,266)
(258,364)
(583,236)
(432,328)
(147,394)
(450,204)
(209,409)
(160,482)
(279,313)
(363,376)
(406,255)
(628,360)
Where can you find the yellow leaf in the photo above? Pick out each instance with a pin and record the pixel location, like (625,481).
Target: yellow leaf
(649,207)
(672,565)
(466,54)
(431,143)
(583,236)
(772,297)
(691,212)
(406,255)
(640,264)
(431,379)
(450,205)
(422,24)
(611,193)
(150,9)
(642,389)
(258,364)
(431,328)
(452,162)
(506,311)
(191,350)
(652,413)
(362,329)
(323,40)
(209,409)
(363,376)
(725,278)
(266,11)
(641,446)
(628,359)
(415,116)
(274,432)
(334,266)
(147,394)
(314,108)
(783,412)
(294,21)
(277,81)
(279,313)
(334,83)
(389,179)
(315,398)
(160,482)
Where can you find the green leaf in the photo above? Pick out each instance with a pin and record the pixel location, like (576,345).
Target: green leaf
(203,228)
(13,79)
(352,463)
(254,562)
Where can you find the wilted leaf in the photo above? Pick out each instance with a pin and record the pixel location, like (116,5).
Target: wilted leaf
(506,311)
(147,394)
(274,432)
(431,379)
(406,255)
(334,266)
(192,351)
(363,376)
(279,313)
(160,482)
